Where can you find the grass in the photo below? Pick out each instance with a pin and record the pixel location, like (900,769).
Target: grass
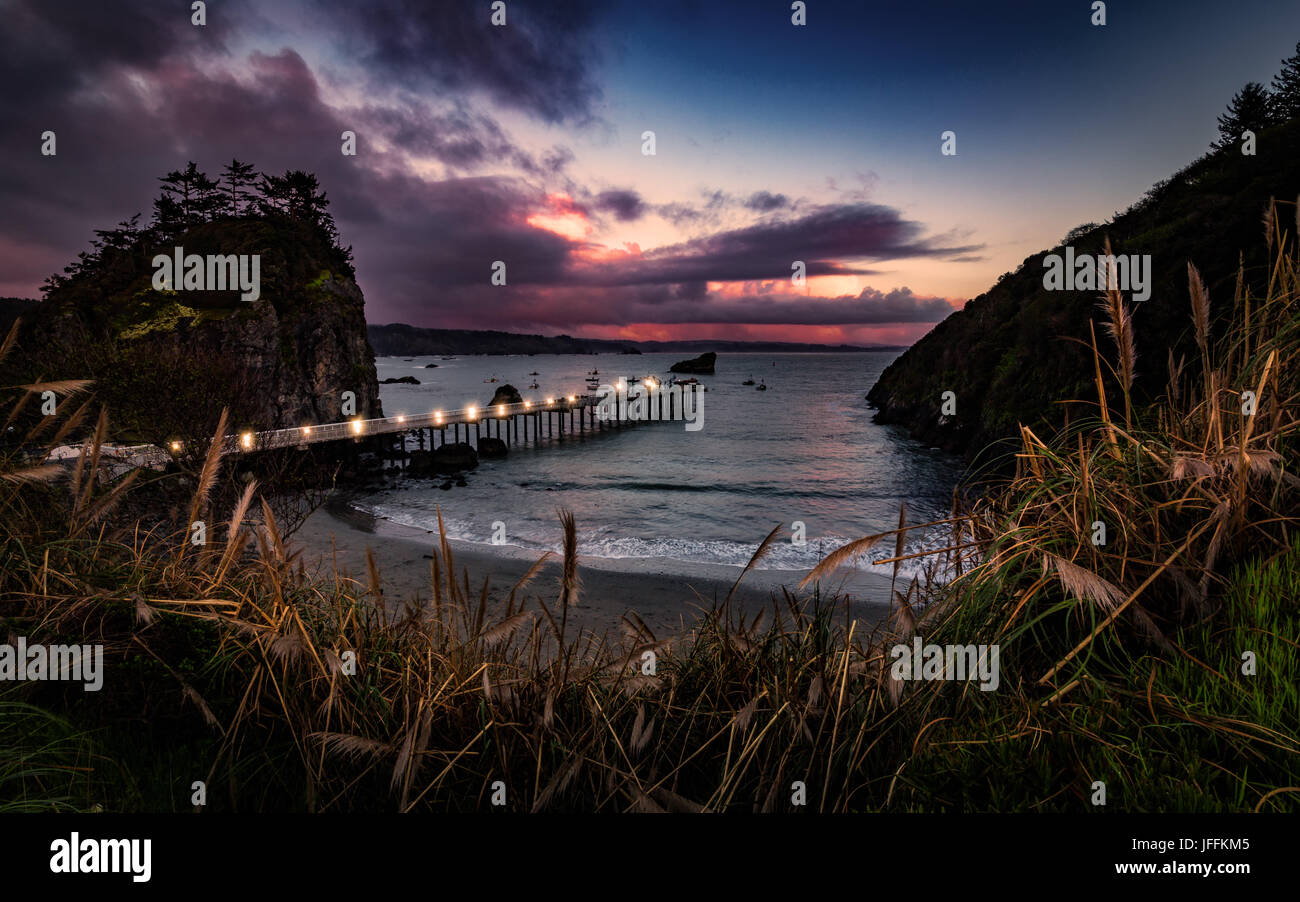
(1121,662)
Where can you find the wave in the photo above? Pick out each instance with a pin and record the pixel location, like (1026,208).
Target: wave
(781,556)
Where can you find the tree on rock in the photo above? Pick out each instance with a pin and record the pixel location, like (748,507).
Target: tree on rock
(239,179)
(195,197)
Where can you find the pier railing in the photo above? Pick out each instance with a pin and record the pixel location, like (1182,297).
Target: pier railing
(512,420)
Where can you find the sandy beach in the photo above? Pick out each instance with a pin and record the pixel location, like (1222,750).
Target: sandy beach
(667,595)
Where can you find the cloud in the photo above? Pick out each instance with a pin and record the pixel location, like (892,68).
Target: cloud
(821,239)
(574,308)
(626,205)
(766,202)
(461,139)
(870,307)
(540,62)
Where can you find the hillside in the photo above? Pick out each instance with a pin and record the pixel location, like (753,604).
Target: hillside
(1009,355)
(401,340)
(165,362)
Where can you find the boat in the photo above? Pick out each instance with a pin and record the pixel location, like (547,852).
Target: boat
(493,379)
(534,373)
(762,386)
(749,381)
(534,385)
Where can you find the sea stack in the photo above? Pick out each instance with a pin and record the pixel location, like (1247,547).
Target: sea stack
(702,365)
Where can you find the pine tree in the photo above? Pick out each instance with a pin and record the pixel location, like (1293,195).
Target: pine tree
(1286,89)
(168,219)
(274,195)
(209,199)
(195,194)
(297,194)
(1249,110)
(123,238)
(239,178)
(306,201)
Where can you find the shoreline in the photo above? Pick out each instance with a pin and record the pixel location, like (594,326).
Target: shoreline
(667,595)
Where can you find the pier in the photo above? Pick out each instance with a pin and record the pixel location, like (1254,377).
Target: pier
(514,424)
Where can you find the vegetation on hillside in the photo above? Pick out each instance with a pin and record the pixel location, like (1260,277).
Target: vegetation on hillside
(1012,355)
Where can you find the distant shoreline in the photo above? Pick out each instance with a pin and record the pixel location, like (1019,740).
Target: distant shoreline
(402,340)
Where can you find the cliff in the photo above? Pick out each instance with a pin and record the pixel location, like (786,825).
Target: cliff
(283,360)
(1013,354)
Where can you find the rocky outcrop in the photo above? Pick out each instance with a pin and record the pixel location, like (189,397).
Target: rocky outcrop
(400,380)
(451,458)
(489,447)
(299,353)
(702,365)
(506,394)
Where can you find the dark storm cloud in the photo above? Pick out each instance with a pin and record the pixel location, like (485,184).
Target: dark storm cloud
(114,142)
(408,233)
(458,137)
(438,236)
(539,62)
(50,48)
(767,250)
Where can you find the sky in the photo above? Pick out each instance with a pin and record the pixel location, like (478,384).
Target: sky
(523,143)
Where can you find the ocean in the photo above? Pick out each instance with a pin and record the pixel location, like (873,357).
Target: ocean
(803,451)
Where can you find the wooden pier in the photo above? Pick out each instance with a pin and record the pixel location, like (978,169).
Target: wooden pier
(514,424)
